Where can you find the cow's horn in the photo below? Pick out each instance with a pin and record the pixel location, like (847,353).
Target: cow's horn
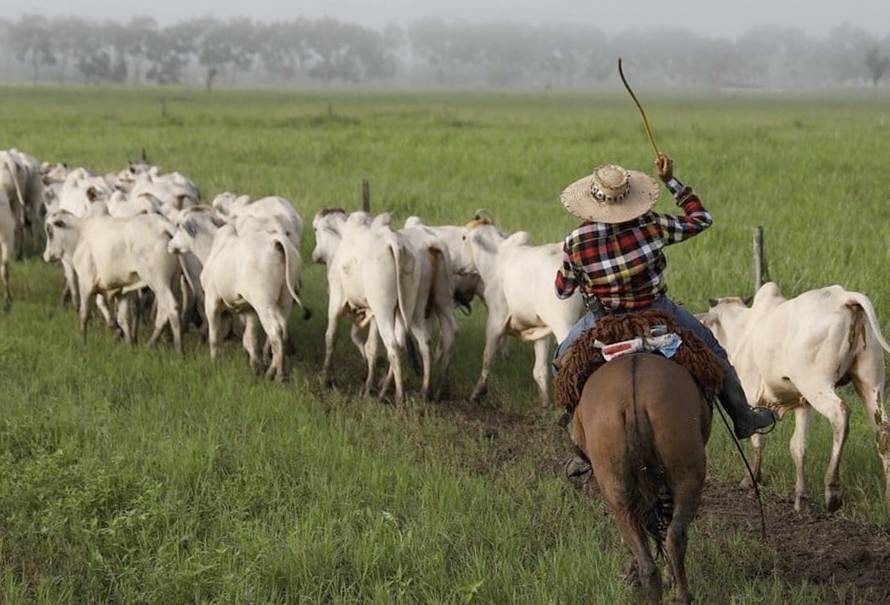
(748,300)
(144,157)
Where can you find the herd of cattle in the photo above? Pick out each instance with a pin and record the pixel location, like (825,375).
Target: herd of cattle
(142,241)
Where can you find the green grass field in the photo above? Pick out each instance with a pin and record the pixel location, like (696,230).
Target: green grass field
(134,476)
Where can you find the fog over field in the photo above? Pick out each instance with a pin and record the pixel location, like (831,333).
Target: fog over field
(492,44)
(704,16)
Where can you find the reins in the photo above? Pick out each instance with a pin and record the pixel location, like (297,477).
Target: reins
(750,472)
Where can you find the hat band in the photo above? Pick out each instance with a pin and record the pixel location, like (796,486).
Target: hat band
(602,196)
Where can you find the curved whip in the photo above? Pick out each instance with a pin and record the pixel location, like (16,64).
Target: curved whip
(640,107)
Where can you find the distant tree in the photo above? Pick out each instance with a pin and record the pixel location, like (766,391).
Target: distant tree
(140,31)
(169,52)
(342,51)
(68,34)
(446,47)
(225,46)
(876,64)
(282,49)
(31,42)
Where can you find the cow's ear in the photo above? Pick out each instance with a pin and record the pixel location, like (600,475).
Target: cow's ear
(708,320)
(713,302)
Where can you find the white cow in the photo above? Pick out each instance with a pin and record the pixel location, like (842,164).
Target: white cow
(122,205)
(467,285)
(791,354)
(80,190)
(433,306)
(114,257)
(371,274)
(255,274)
(173,192)
(519,292)
(76,195)
(7,245)
(273,213)
(20,180)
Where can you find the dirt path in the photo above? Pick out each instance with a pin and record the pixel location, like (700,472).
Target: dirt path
(813,546)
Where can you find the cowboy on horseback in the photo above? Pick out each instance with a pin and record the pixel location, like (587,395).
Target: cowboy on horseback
(616,259)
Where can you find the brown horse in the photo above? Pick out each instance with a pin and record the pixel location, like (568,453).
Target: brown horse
(644,423)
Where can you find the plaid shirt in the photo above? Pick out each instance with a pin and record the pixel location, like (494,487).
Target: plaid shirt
(622,265)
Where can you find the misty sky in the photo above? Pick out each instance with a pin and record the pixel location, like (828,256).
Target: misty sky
(710,17)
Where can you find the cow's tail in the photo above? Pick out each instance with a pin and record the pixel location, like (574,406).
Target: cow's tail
(406,298)
(435,262)
(857,299)
(289,253)
(186,274)
(15,183)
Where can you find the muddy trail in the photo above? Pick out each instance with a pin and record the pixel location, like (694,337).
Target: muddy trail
(813,545)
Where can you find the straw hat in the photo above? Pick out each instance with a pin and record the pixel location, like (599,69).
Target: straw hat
(611,195)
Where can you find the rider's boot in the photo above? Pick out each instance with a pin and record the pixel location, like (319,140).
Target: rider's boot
(746,420)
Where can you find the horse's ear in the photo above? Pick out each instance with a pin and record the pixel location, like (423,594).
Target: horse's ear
(713,302)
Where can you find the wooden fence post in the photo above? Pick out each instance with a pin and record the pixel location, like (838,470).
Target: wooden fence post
(366,196)
(760,273)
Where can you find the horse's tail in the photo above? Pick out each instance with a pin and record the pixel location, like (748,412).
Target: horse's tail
(652,507)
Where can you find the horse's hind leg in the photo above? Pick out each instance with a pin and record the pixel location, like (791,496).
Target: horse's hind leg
(687,497)
(638,544)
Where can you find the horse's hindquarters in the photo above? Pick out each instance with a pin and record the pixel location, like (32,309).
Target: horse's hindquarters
(644,424)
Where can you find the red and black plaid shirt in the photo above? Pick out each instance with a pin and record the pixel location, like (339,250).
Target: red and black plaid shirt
(622,265)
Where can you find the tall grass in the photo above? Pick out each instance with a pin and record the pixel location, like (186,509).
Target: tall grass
(135,476)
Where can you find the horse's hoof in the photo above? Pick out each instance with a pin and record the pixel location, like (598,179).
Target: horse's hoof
(631,575)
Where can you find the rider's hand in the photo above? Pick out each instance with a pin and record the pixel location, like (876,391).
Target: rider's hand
(665,167)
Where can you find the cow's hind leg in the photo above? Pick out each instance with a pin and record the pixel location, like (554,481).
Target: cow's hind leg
(4,276)
(798,446)
(757,444)
(448,328)
(371,347)
(826,402)
(124,319)
(492,338)
(275,328)
(213,311)
(540,370)
(393,350)
(421,331)
(868,379)
(250,340)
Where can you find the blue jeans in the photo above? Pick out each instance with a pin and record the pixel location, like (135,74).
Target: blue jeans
(684,319)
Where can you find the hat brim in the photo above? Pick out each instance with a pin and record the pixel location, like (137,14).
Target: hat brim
(579,201)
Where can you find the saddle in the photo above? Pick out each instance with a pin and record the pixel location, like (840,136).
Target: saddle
(617,335)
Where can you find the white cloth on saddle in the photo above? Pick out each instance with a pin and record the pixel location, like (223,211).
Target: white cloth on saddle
(657,342)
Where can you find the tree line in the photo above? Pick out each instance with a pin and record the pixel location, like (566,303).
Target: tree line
(427,53)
